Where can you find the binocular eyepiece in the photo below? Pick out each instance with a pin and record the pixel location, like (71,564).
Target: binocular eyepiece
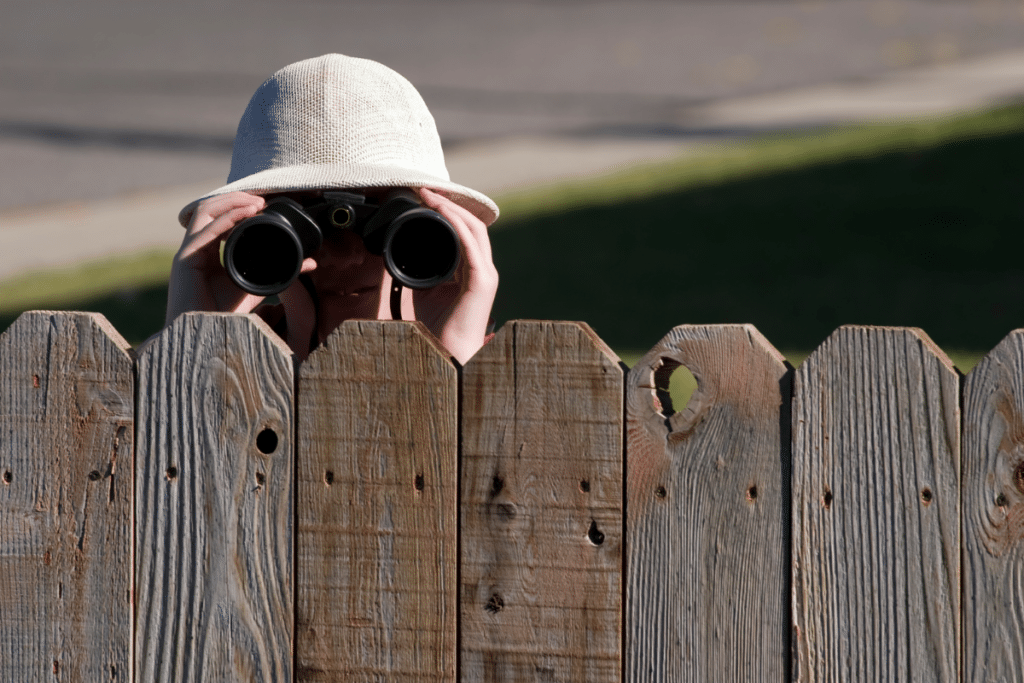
(264,253)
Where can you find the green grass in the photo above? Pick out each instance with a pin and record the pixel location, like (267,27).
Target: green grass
(131,291)
(912,224)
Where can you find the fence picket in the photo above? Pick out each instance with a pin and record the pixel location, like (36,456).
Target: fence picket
(66,413)
(876,508)
(993,515)
(214,502)
(541,511)
(377,491)
(707,493)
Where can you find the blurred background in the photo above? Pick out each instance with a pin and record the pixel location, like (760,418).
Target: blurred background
(796,164)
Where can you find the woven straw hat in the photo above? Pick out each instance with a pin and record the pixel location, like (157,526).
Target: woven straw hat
(337,122)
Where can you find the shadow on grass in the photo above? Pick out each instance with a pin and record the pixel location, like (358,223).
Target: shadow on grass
(932,238)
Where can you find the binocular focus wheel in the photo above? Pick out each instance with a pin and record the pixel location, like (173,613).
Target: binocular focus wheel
(342,216)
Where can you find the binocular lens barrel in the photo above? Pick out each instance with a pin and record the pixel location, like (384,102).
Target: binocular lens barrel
(421,249)
(264,253)
(264,256)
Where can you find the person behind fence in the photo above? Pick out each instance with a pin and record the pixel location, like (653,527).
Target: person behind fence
(338,200)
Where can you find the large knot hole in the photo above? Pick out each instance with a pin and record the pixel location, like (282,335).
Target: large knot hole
(674,386)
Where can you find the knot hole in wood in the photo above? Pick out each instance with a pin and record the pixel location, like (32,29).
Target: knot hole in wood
(674,385)
(595,535)
(495,604)
(1018,476)
(266,441)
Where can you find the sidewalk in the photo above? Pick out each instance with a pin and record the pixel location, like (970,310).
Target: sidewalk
(64,235)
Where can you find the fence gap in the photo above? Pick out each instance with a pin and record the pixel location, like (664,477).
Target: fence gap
(377,516)
(993,515)
(214,491)
(66,420)
(706,503)
(876,498)
(541,510)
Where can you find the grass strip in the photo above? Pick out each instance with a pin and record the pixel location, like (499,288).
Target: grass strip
(62,288)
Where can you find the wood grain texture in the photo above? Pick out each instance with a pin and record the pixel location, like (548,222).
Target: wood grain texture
(214,491)
(707,503)
(876,509)
(66,413)
(993,515)
(541,510)
(377,491)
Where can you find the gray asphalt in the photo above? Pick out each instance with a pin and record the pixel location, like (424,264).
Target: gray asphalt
(112,107)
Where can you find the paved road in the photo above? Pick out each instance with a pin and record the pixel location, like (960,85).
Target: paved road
(121,112)
(101,97)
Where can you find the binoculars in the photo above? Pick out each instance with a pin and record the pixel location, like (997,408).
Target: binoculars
(264,253)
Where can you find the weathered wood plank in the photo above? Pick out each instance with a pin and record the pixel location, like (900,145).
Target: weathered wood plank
(377,487)
(214,492)
(993,515)
(541,511)
(876,509)
(66,435)
(707,504)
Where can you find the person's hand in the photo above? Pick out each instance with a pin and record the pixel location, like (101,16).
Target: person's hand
(200,283)
(198,280)
(458,311)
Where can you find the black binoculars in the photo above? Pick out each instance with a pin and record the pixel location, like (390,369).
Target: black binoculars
(264,253)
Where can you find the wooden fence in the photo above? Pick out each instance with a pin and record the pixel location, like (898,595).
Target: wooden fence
(207,510)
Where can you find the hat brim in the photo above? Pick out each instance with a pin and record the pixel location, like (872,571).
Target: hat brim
(349,176)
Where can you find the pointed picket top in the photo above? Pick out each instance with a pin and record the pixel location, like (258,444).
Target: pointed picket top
(573,335)
(707,490)
(61,321)
(993,514)
(846,335)
(66,415)
(402,335)
(186,326)
(876,508)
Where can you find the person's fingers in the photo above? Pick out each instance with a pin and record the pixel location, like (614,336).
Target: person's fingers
(214,231)
(215,207)
(447,208)
(246,303)
(471,230)
(218,218)
(433,198)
